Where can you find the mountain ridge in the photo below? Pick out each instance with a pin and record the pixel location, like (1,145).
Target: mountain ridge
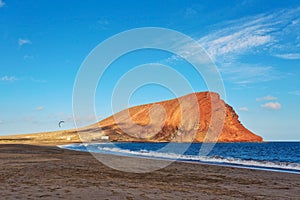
(176,120)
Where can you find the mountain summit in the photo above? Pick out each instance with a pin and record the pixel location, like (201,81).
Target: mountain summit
(197,117)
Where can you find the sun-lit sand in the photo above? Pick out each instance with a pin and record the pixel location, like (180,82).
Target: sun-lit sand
(45,138)
(33,170)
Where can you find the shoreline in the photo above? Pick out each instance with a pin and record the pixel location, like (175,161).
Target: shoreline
(33,171)
(169,159)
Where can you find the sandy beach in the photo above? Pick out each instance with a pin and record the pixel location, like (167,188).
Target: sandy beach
(48,172)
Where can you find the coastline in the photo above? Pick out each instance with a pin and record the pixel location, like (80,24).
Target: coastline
(34,171)
(113,149)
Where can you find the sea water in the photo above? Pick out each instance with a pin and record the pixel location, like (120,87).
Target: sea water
(272,156)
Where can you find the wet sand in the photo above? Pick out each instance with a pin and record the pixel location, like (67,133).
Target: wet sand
(48,172)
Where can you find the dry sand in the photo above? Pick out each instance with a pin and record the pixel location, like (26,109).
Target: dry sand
(48,172)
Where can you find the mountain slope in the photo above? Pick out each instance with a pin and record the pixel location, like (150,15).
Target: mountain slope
(197,117)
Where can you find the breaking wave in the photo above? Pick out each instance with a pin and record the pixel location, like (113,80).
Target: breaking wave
(216,160)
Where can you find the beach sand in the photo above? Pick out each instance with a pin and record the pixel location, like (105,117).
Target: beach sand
(48,172)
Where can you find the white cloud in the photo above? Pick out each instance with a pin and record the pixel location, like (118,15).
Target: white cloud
(272,105)
(8,79)
(37,80)
(39,108)
(267,98)
(21,42)
(242,74)
(228,41)
(103,23)
(238,36)
(243,109)
(295,92)
(289,56)
(12,79)
(28,57)
(190,13)
(1,122)
(267,31)
(2,3)
(233,43)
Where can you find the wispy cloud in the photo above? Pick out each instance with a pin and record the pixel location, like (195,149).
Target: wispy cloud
(11,79)
(37,80)
(103,23)
(229,42)
(39,108)
(8,79)
(243,109)
(243,35)
(28,57)
(240,73)
(289,56)
(239,36)
(267,98)
(265,33)
(2,3)
(272,105)
(295,92)
(190,13)
(22,42)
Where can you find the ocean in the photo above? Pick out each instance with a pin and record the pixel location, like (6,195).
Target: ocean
(270,156)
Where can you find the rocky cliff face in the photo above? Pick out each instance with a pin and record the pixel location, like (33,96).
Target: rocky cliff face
(197,117)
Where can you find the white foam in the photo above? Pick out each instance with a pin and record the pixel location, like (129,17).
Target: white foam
(220,160)
(192,158)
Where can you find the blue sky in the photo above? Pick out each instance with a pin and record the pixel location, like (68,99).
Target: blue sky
(255,45)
